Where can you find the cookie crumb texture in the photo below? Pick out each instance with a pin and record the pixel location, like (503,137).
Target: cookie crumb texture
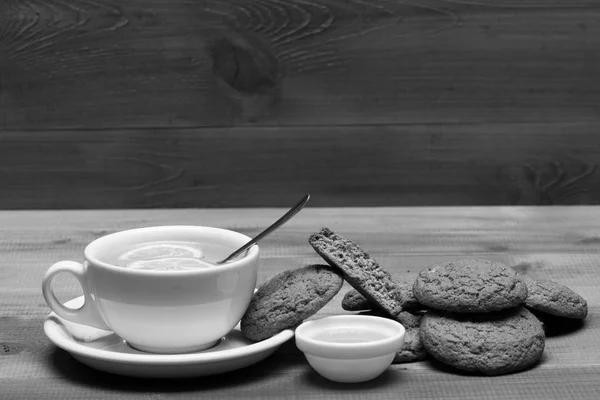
(492,344)
(354,301)
(412,350)
(469,286)
(361,271)
(288,298)
(410,320)
(555,299)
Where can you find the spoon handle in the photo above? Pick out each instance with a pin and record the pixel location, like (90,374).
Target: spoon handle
(286,217)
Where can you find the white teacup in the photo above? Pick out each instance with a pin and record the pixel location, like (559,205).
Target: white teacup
(161,311)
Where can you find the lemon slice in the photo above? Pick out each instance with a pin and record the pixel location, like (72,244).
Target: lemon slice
(170,264)
(161,250)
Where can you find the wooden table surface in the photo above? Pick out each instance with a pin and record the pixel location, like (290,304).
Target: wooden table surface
(559,243)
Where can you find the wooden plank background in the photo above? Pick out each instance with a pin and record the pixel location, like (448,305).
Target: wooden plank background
(176,103)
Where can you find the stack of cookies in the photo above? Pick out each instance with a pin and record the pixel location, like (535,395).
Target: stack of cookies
(471,314)
(476,321)
(479,319)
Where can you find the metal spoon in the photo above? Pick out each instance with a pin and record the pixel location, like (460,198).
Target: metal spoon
(286,217)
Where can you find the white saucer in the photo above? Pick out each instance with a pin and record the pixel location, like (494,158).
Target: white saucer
(105,351)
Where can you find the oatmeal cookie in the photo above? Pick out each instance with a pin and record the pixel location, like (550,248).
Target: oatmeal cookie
(412,350)
(469,286)
(288,298)
(555,299)
(361,271)
(354,301)
(492,343)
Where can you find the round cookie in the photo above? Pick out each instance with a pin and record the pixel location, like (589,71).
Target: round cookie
(555,299)
(469,286)
(412,350)
(410,320)
(354,301)
(361,271)
(494,343)
(288,298)
(409,301)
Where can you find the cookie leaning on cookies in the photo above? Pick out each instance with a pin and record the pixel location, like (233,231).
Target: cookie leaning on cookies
(361,271)
(288,298)
(469,286)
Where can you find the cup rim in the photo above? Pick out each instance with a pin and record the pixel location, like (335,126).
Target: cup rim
(250,256)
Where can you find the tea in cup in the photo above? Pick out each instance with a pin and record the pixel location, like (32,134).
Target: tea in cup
(159,288)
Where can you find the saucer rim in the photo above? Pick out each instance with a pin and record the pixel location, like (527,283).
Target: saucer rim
(53,322)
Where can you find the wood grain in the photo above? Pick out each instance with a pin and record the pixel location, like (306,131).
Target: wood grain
(413,165)
(159,63)
(244,103)
(558,243)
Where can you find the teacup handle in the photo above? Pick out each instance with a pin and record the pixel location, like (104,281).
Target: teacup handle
(88,313)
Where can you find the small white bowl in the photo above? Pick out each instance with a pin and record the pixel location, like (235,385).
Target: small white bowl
(350,348)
